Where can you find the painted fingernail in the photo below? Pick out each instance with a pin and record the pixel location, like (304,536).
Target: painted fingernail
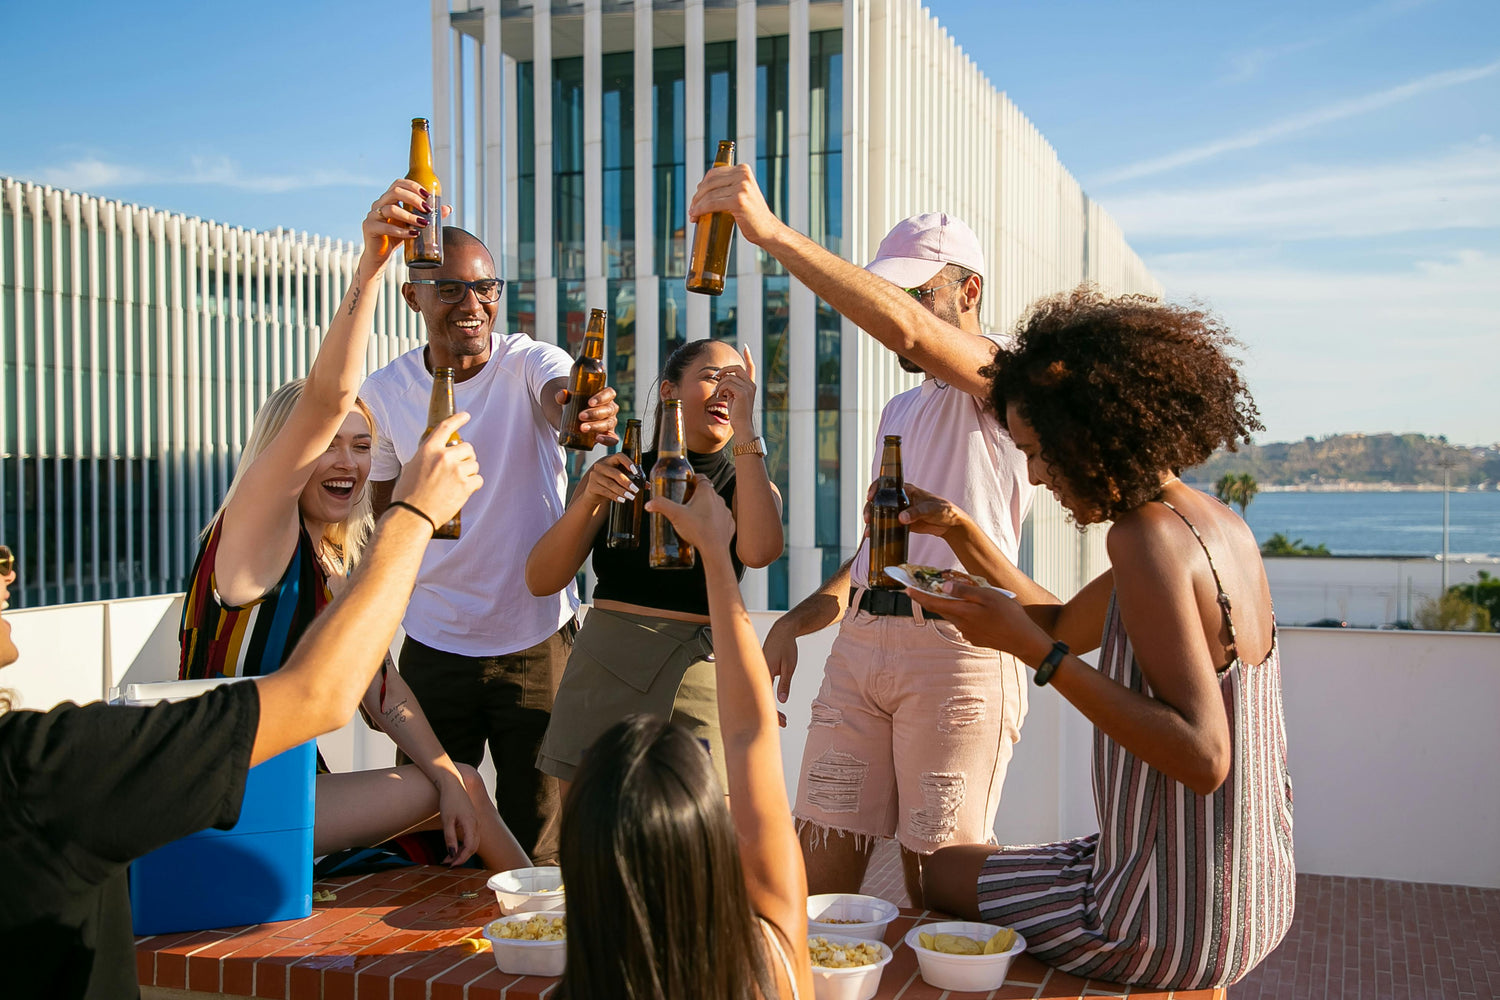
(422,222)
(424,192)
(619,499)
(425,208)
(414,232)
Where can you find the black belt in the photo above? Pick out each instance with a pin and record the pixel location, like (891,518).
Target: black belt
(889,603)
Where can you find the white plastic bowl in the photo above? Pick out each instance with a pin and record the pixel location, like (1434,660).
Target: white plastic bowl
(962,972)
(855,983)
(526,890)
(527,958)
(873,914)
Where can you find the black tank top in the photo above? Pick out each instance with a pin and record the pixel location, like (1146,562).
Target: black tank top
(624,575)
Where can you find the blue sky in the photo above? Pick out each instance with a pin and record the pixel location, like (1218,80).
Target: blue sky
(1327,175)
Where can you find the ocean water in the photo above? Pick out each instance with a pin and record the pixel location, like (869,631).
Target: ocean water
(1380,523)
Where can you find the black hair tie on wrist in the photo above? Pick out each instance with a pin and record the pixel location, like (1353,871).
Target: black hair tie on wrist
(415,510)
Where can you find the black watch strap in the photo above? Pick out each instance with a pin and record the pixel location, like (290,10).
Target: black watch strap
(1045,669)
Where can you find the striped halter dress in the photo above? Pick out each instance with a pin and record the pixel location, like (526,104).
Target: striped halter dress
(1177,890)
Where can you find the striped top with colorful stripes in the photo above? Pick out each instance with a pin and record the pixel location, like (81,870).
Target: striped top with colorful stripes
(220,641)
(1177,890)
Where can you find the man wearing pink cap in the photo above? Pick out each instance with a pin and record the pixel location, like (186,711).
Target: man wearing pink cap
(913,726)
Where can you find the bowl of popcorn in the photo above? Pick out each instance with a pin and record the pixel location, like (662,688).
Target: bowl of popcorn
(529,944)
(961,955)
(850,914)
(846,968)
(528,890)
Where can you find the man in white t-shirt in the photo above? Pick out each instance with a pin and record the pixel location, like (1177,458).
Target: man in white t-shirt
(912,729)
(482,655)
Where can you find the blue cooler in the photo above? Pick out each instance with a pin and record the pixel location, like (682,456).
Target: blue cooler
(257,871)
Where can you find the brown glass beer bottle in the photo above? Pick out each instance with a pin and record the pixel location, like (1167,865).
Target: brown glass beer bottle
(888,535)
(426,248)
(712,235)
(440,408)
(672,479)
(625,518)
(586,379)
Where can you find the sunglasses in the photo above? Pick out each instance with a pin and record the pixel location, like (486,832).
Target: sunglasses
(931,293)
(452,291)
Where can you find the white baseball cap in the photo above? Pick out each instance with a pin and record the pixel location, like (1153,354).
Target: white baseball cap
(918,248)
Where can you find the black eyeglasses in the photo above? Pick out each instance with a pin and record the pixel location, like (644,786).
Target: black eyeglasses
(7,561)
(931,293)
(452,291)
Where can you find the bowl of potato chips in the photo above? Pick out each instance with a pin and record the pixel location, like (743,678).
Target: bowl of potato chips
(850,914)
(846,968)
(961,955)
(529,944)
(528,890)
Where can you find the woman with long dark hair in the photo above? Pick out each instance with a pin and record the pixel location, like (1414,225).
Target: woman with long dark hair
(681,898)
(1190,881)
(645,645)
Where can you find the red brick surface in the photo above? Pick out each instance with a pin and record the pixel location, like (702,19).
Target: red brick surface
(399,934)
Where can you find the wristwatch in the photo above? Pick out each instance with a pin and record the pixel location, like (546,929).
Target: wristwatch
(1049,663)
(755,446)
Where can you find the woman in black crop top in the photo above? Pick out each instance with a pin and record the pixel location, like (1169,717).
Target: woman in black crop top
(645,645)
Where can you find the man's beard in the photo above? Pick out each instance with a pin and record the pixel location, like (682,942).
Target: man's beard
(909,366)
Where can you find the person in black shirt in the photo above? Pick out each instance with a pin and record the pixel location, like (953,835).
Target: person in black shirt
(84,790)
(645,646)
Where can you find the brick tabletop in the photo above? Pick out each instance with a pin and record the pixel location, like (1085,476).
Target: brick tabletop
(399,935)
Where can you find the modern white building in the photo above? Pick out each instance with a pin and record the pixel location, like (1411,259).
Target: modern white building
(135,347)
(571,135)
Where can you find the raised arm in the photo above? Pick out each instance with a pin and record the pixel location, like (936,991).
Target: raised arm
(875,305)
(259,531)
(318,688)
(774,876)
(559,554)
(757,503)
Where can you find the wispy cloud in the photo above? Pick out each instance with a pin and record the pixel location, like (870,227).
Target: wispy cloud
(1398,349)
(93,174)
(1460,190)
(1247,65)
(1293,124)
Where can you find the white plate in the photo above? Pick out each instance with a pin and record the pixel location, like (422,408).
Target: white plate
(905,579)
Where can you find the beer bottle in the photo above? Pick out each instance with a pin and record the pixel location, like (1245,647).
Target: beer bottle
(586,378)
(672,479)
(887,534)
(625,518)
(426,248)
(440,408)
(712,235)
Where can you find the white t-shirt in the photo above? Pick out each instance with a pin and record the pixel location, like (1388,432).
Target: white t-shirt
(952,446)
(471,595)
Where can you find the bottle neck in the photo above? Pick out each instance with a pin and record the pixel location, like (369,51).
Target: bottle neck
(441,405)
(593,346)
(890,463)
(671,444)
(421,151)
(725,157)
(632,445)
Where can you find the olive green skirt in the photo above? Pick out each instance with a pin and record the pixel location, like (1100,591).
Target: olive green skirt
(623,664)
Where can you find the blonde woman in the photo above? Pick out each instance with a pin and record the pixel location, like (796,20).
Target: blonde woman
(289,532)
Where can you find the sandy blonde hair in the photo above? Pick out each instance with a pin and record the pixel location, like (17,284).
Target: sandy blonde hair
(344,539)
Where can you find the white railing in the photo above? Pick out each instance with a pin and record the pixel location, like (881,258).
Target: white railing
(1393,735)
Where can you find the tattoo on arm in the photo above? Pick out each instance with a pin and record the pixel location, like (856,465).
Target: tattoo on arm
(397,714)
(354,294)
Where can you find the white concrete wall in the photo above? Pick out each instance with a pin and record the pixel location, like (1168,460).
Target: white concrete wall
(1363,592)
(1393,735)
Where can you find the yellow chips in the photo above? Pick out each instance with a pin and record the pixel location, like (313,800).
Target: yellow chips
(827,955)
(959,944)
(538,928)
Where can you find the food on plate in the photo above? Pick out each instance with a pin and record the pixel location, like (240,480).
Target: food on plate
(931,579)
(962,944)
(841,920)
(538,928)
(827,955)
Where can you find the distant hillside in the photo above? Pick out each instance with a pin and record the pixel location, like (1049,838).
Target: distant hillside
(1400,459)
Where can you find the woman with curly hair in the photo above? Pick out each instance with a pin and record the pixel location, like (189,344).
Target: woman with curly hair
(1190,881)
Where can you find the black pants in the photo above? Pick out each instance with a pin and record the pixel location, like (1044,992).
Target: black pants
(505,702)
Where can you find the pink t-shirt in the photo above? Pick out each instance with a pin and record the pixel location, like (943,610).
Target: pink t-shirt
(952,446)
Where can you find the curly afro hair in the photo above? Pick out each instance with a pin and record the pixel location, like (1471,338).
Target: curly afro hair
(1121,390)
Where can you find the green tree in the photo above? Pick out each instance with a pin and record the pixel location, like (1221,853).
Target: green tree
(1484,594)
(1248,487)
(1452,613)
(1279,545)
(1227,488)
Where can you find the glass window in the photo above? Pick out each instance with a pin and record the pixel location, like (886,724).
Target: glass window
(670,159)
(619,164)
(567,166)
(826,203)
(774,390)
(526,179)
(620,347)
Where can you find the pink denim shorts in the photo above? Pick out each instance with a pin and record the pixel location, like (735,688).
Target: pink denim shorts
(911,733)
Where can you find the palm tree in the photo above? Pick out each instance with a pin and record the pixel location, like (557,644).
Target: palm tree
(1227,488)
(1247,488)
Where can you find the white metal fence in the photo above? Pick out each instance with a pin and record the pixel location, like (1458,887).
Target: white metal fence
(137,345)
